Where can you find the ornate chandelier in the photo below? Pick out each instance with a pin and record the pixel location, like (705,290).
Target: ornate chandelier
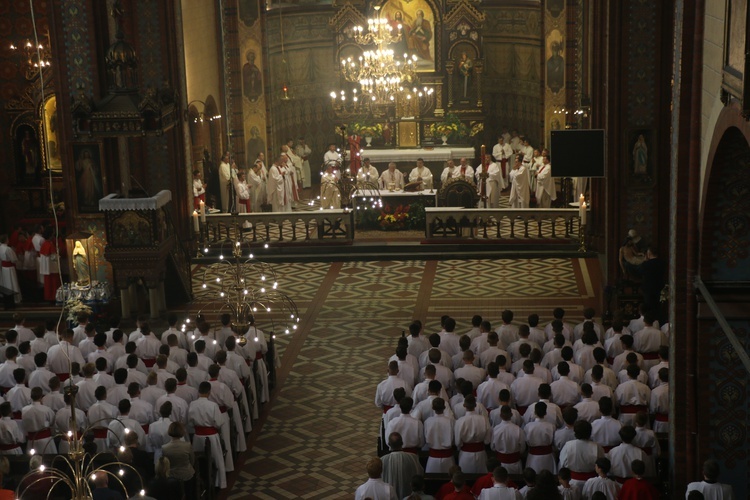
(380,73)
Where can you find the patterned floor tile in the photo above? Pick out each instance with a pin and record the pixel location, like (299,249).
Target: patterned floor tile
(323,423)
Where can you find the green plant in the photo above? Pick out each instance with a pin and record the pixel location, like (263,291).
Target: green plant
(417,216)
(451,126)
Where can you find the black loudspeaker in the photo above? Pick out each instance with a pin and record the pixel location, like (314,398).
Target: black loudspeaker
(577,153)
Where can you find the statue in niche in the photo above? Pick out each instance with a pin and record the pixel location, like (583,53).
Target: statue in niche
(466,67)
(640,156)
(81,265)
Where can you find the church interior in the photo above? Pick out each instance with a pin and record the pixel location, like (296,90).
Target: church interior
(206,159)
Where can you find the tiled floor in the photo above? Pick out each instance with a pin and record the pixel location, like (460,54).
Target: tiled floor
(316,434)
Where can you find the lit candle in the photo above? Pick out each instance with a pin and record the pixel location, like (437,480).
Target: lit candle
(582,211)
(581,199)
(196,225)
(203,211)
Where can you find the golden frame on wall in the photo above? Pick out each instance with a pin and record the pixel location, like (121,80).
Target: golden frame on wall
(418,31)
(50,144)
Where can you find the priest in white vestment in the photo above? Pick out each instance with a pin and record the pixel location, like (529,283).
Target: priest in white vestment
(303,151)
(503,154)
(494,183)
(391,179)
(367,173)
(422,174)
(257,182)
(227,170)
(330,197)
(519,186)
(546,192)
(332,157)
(280,186)
(295,162)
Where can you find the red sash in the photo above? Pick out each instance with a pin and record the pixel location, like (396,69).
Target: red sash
(522,409)
(7,263)
(473,447)
(259,355)
(647,450)
(42,434)
(149,362)
(503,164)
(607,449)
(582,476)
(248,205)
(541,450)
(145,428)
(446,453)
(661,417)
(63,376)
(16,415)
(386,408)
(205,431)
(414,451)
(508,458)
(100,433)
(197,201)
(650,355)
(8,447)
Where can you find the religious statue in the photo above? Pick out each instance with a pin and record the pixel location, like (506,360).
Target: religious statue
(640,156)
(87,180)
(465,66)
(81,265)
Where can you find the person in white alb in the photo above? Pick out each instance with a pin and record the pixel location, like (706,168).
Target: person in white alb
(375,488)
(227,169)
(500,490)
(492,184)
(659,402)
(367,173)
(280,186)
(295,163)
(464,170)
(508,442)
(257,178)
(632,396)
(502,153)
(489,390)
(472,433)
(422,174)
(330,195)
(384,392)
(648,340)
(546,192)
(332,157)
(411,429)
(123,425)
(449,171)
(38,423)
(242,194)
(63,421)
(540,435)
(606,430)
(11,436)
(438,432)
(580,454)
(61,355)
(391,179)
(8,275)
(303,151)
(208,423)
(525,389)
(622,455)
(100,415)
(710,487)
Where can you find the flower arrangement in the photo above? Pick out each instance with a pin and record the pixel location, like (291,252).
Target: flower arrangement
(366,128)
(394,219)
(451,126)
(75,307)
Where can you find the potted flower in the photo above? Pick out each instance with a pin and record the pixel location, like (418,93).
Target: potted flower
(367,129)
(451,127)
(394,220)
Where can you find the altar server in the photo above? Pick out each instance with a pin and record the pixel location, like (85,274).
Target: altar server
(8,261)
(207,422)
(494,182)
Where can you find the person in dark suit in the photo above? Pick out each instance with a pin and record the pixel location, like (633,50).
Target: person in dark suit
(653,273)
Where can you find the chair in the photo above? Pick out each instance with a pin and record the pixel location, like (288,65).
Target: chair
(458,192)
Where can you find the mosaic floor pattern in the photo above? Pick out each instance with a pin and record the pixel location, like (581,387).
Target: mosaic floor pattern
(314,437)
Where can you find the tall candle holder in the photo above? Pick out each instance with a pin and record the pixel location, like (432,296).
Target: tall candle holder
(582,238)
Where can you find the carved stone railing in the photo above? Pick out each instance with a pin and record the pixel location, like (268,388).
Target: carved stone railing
(286,227)
(501,223)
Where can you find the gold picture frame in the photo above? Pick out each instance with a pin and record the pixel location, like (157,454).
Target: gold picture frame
(50,143)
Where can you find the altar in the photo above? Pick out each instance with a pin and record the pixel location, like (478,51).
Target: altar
(399,210)
(436,154)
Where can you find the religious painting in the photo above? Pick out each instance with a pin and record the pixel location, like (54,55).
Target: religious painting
(555,62)
(256,144)
(87,165)
(463,55)
(252,78)
(417,30)
(249,11)
(27,153)
(51,151)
